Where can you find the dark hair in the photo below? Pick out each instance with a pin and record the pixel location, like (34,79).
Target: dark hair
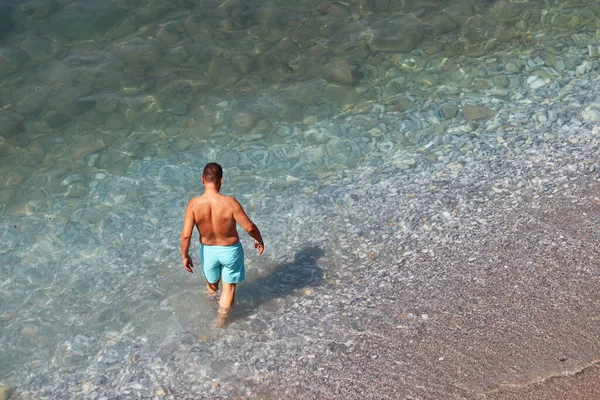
(213,172)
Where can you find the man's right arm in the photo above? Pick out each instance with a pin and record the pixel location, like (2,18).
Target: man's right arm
(186,236)
(241,218)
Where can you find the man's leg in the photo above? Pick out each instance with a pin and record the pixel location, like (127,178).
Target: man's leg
(227,295)
(211,269)
(225,303)
(233,271)
(212,288)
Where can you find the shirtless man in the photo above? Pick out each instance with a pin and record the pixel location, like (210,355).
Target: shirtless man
(221,253)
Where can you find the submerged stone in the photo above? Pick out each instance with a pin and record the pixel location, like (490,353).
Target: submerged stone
(475,113)
(440,24)
(38,9)
(479,84)
(56,120)
(292,114)
(536,82)
(177,108)
(171,32)
(340,94)
(398,104)
(449,111)
(203,128)
(55,72)
(5,149)
(340,151)
(11,59)
(107,104)
(222,73)
(116,121)
(114,162)
(501,80)
(394,35)
(183,91)
(34,102)
(243,63)
(11,124)
(84,104)
(141,52)
(66,100)
(85,20)
(460,12)
(177,55)
(428,79)
(341,71)
(584,68)
(505,11)
(38,48)
(244,121)
(7,22)
(512,67)
(412,64)
(591,115)
(87,144)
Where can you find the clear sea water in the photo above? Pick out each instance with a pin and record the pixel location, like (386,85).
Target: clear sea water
(110,109)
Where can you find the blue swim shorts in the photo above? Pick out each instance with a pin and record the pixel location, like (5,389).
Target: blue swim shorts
(225,262)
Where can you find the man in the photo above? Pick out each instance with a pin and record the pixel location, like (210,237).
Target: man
(221,253)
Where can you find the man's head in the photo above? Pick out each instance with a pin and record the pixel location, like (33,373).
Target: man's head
(213,173)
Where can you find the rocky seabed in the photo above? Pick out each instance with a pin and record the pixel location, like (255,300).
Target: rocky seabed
(358,137)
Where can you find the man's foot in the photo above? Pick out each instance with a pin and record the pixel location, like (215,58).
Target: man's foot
(222,315)
(213,299)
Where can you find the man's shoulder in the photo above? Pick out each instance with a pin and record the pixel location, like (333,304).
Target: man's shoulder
(229,200)
(195,200)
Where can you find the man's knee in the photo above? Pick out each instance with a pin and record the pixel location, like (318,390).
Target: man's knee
(229,286)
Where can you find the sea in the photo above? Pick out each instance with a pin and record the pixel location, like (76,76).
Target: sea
(109,110)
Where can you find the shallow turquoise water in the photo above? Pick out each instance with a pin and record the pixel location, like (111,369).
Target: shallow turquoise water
(110,109)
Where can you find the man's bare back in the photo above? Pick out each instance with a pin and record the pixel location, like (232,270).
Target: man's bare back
(215,217)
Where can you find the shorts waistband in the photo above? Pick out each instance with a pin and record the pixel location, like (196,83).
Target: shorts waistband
(237,244)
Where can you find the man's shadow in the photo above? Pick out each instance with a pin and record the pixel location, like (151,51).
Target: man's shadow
(283,280)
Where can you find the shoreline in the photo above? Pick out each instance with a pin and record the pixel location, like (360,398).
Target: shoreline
(580,384)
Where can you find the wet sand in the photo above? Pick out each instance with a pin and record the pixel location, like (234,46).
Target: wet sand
(581,385)
(507,309)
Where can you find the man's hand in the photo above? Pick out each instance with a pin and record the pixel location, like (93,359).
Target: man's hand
(260,246)
(188,264)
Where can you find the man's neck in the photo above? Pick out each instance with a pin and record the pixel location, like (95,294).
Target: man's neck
(211,188)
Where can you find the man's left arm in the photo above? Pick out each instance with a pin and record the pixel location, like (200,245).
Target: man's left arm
(241,218)
(186,237)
